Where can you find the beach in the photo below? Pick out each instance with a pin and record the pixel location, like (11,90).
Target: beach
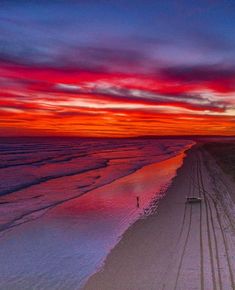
(183,245)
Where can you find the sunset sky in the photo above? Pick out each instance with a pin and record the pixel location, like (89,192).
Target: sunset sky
(117,68)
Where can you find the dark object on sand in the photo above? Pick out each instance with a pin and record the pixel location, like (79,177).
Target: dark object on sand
(193,199)
(137,201)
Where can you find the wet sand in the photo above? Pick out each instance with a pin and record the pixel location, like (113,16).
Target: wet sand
(182,246)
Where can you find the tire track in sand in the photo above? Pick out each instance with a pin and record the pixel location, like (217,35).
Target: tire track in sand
(214,201)
(202,280)
(202,193)
(182,227)
(188,229)
(195,185)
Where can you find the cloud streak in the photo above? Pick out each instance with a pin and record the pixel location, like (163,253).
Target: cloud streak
(93,68)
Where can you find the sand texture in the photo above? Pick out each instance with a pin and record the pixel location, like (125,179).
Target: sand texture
(182,246)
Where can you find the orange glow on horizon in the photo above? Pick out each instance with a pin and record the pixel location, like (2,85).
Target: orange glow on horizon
(36,101)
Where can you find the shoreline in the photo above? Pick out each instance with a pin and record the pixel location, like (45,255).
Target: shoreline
(182,246)
(73,239)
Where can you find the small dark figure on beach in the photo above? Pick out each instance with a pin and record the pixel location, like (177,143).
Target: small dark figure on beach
(137,201)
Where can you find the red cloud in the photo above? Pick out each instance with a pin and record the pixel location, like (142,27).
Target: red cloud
(34,96)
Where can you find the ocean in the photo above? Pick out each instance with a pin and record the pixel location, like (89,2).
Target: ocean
(65,203)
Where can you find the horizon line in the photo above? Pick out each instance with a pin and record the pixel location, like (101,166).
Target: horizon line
(120,137)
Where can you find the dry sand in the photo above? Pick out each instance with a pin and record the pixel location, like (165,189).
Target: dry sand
(182,246)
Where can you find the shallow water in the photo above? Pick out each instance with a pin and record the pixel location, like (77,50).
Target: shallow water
(57,232)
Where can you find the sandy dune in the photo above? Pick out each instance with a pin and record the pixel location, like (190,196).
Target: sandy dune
(183,246)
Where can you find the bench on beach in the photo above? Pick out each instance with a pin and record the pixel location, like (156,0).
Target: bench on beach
(193,199)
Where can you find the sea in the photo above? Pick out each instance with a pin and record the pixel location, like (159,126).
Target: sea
(66,202)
